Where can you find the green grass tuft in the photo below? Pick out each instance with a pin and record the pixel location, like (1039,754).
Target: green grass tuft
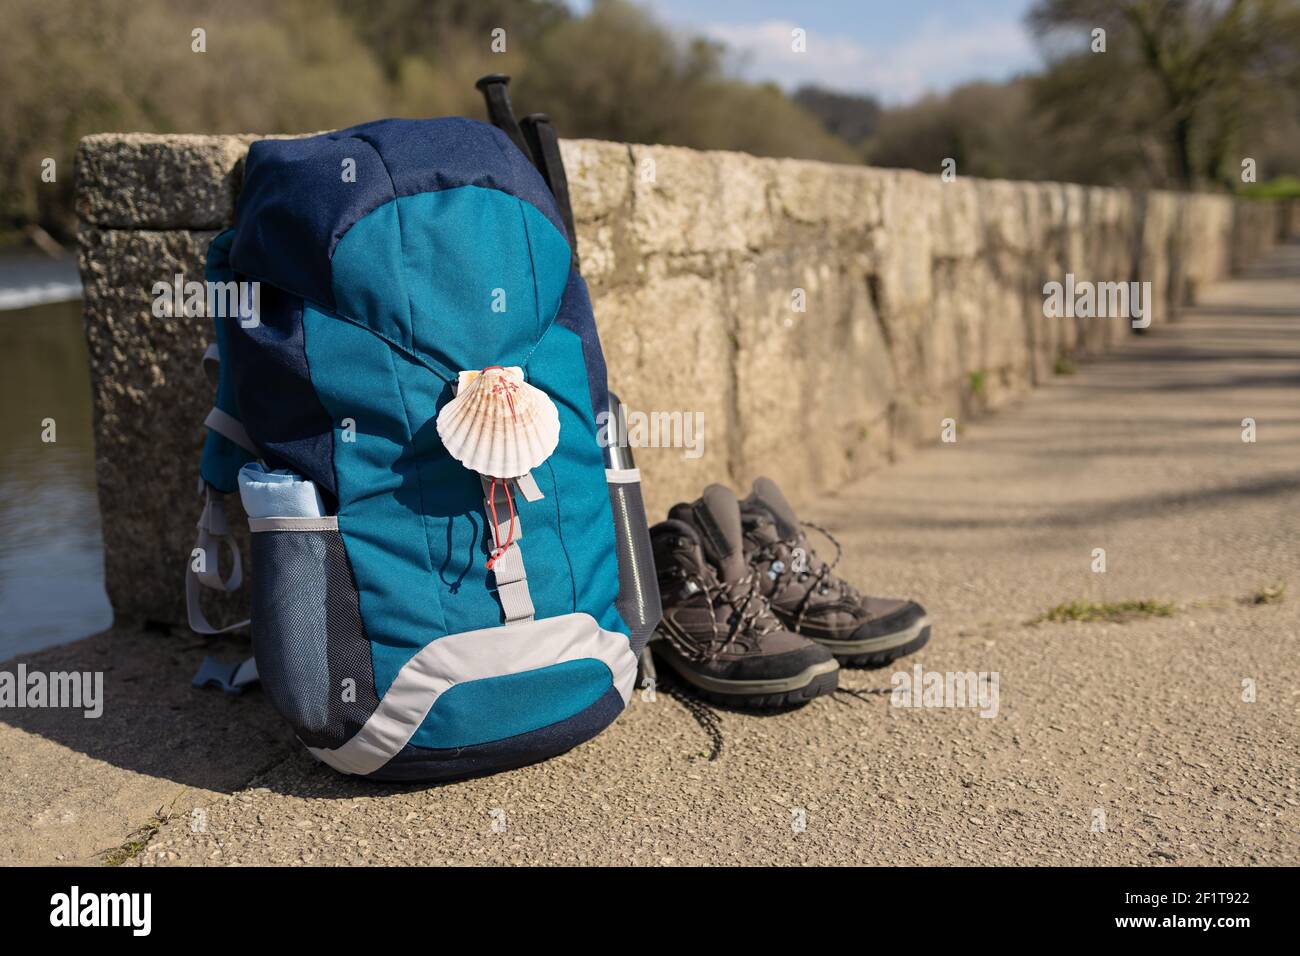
(1114,611)
(134,844)
(1281,187)
(1063,366)
(1274,594)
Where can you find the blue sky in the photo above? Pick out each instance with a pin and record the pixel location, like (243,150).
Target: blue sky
(895,49)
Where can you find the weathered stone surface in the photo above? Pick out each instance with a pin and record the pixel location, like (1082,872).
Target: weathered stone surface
(600,177)
(155,181)
(687,371)
(825,371)
(921,300)
(686,202)
(845,199)
(605,172)
(150,397)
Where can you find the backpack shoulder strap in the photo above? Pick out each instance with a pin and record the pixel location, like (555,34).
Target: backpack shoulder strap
(226,449)
(204,568)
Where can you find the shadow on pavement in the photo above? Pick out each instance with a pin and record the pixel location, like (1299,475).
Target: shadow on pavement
(153,721)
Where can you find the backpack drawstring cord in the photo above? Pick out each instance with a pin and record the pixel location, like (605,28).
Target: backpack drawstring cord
(499,548)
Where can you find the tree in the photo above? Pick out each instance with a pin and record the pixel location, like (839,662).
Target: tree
(851,117)
(618,74)
(988,129)
(1198,74)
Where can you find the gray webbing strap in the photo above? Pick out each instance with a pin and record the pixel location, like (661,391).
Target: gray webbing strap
(213,530)
(231,427)
(508,531)
(229,677)
(212,364)
(511,575)
(527,486)
(324,523)
(512,585)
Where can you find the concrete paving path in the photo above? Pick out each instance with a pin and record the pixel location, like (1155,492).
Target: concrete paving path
(1161,739)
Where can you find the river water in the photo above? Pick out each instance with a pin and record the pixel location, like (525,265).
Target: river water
(51,553)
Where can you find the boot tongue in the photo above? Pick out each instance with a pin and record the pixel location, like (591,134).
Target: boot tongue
(768,496)
(717,516)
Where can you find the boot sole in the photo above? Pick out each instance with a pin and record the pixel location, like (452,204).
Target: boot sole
(877,651)
(814,681)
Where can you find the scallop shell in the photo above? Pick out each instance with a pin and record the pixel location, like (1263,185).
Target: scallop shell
(498,425)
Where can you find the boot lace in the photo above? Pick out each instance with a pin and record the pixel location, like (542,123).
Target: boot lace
(824,580)
(750,616)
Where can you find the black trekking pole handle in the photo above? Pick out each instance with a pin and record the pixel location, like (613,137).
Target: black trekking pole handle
(500,113)
(544,144)
(537,140)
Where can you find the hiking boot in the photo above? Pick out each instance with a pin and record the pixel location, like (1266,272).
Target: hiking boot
(811,600)
(718,632)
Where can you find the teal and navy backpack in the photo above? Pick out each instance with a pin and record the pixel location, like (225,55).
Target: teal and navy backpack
(414,619)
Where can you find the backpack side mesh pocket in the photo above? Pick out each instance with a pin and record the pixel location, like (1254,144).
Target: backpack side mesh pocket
(312,651)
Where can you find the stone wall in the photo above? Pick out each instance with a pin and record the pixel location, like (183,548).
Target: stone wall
(922,301)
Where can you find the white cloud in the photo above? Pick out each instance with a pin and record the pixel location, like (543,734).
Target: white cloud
(936,58)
